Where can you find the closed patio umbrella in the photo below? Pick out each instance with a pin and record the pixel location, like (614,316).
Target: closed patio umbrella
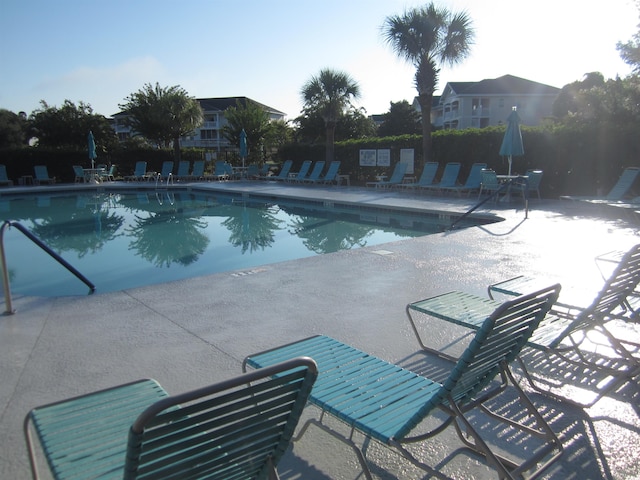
(243,146)
(512,142)
(92,149)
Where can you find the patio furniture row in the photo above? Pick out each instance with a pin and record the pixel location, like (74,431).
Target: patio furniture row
(306,174)
(480,179)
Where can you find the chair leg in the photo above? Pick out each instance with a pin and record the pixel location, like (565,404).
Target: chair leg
(346,440)
(506,467)
(618,379)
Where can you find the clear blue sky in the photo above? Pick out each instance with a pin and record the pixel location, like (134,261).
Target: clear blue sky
(101,51)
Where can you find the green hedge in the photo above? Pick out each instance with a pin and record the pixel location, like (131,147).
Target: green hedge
(20,162)
(576,160)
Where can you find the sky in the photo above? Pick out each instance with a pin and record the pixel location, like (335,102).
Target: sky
(100,52)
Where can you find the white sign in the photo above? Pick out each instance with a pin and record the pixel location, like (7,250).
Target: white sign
(407,156)
(367,158)
(384,158)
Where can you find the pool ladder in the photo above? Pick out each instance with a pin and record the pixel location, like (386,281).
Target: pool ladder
(5,272)
(159,180)
(504,188)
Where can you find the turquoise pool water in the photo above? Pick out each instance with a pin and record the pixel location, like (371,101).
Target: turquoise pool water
(125,240)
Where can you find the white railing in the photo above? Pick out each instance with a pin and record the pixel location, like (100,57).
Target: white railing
(482,112)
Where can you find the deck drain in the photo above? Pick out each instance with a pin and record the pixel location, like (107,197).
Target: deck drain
(248,272)
(382,252)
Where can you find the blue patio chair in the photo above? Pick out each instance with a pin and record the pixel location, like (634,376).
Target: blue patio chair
(183,171)
(489,183)
(139,173)
(109,175)
(220,171)
(4,179)
(42,175)
(388,403)
(330,176)
(531,185)
(302,173)
(284,171)
(396,177)
(472,184)
(563,333)
(449,178)
(78,172)
(198,171)
(617,193)
(167,169)
(238,428)
(316,172)
(231,173)
(426,178)
(252,171)
(263,172)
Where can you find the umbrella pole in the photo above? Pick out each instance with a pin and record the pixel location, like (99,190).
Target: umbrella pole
(510,165)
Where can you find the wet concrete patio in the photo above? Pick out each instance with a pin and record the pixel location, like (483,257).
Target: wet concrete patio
(189,333)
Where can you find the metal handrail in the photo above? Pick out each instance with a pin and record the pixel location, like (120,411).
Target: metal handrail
(5,272)
(169,180)
(503,187)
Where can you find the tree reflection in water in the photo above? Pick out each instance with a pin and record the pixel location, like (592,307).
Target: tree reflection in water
(129,239)
(326,234)
(252,227)
(168,234)
(85,229)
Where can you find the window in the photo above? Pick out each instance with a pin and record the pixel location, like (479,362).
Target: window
(480,106)
(208,135)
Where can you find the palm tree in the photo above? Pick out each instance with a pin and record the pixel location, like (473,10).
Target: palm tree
(329,94)
(429,37)
(163,114)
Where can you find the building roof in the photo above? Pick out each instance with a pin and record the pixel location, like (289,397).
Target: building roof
(505,85)
(222,103)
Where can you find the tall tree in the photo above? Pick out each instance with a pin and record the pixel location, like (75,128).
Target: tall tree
(352,123)
(69,125)
(429,37)
(355,124)
(401,119)
(630,50)
(13,129)
(253,119)
(329,94)
(596,100)
(163,114)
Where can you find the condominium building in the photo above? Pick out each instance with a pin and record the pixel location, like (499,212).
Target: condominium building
(489,102)
(209,135)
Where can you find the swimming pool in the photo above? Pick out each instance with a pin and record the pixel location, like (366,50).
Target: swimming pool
(121,240)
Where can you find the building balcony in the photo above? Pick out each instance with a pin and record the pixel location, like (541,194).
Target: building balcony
(481,112)
(451,114)
(204,143)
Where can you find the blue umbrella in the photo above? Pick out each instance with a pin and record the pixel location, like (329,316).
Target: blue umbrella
(243,146)
(92,148)
(512,141)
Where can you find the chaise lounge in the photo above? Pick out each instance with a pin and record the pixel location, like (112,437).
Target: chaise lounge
(386,402)
(238,428)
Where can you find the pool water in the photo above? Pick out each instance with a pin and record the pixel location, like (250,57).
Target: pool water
(125,240)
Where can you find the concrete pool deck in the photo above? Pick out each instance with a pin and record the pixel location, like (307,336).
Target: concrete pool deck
(193,332)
